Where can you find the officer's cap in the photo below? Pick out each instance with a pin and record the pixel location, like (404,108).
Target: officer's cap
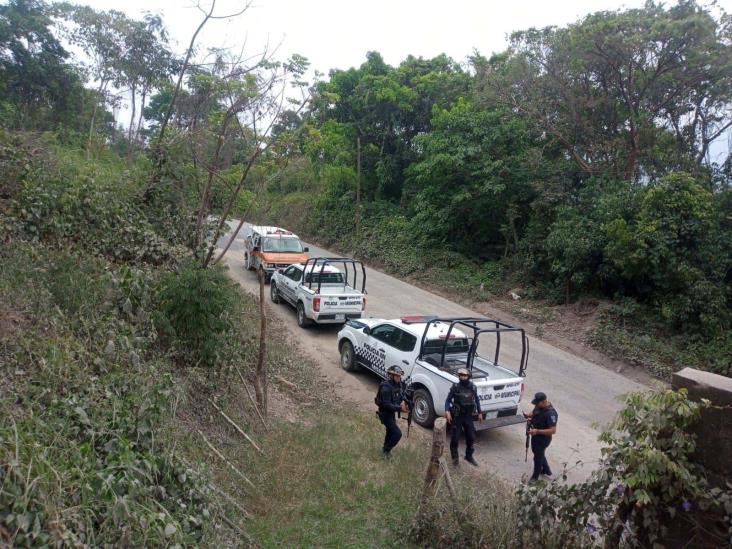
(538,397)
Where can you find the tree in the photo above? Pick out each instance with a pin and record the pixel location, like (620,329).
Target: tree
(39,87)
(610,87)
(472,182)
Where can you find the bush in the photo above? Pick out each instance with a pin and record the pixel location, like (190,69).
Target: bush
(196,309)
(646,491)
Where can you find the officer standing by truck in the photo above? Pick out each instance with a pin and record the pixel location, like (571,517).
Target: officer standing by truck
(461,404)
(543,426)
(391,398)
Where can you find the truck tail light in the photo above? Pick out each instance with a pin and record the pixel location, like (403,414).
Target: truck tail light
(363,303)
(316,304)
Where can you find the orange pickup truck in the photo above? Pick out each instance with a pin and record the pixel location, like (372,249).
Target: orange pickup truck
(269,249)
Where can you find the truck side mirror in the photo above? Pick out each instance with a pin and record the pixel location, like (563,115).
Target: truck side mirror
(366,330)
(306,249)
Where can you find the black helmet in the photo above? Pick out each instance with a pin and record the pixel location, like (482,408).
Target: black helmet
(395,370)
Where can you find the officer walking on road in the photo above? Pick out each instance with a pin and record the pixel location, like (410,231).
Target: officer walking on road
(543,426)
(462,402)
(390,399)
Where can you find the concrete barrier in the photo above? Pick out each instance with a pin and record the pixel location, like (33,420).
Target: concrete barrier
(714,430)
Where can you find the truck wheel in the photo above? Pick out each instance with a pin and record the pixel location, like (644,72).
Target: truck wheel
(348,357)
(302,320)
(274,293)
(247,262)
(424,410)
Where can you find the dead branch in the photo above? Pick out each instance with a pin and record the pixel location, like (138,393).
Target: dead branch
(233,424)
(222,458)
(251,399)
(288,383)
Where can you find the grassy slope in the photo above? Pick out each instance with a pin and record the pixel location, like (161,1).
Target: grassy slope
(80,408)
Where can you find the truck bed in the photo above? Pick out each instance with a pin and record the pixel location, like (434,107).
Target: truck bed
(481,368)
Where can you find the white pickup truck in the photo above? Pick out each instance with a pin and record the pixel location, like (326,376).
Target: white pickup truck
(430,350)
(320,292)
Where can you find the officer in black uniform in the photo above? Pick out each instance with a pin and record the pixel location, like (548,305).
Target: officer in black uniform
(543,426)
(390,399)
(461,404)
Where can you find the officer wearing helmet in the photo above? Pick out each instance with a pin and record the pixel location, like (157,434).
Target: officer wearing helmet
(390,399)
(461,404)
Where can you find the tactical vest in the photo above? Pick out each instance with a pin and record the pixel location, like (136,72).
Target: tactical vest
(464,399)
(396,393)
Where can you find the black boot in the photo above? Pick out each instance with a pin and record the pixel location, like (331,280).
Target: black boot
(471,460)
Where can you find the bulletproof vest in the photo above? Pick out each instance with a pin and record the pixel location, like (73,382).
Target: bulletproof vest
(396,393)
(464,398)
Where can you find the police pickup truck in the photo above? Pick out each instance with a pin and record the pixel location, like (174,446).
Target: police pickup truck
(320,292)
(430,350)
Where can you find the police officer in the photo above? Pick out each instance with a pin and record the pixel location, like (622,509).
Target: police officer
(462,402)
(391,398)
(543,426)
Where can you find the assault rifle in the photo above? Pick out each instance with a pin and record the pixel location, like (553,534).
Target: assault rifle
(409,396)
(528,438)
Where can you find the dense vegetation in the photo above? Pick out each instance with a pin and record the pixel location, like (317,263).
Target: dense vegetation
(122,342)
(581,162)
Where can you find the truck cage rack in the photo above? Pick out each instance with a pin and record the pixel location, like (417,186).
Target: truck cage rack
(314,262)
(476,325)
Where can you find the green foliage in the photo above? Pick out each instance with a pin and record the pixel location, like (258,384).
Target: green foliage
(72,198)
(196,307)
(645,491)
(40,89)
(674,246)
(85,399)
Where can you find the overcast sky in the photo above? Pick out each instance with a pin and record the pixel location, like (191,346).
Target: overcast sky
(338,33)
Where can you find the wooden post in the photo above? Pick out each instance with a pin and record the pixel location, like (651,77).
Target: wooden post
(432,475)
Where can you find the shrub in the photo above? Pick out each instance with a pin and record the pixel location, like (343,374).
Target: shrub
(646,490)
(196,308)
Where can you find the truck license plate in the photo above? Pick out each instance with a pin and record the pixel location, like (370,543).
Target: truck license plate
(341,317)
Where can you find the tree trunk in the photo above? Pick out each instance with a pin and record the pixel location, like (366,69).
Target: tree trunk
(142,111)
(260,380)
(432,475)
(100,92)
(358,183)
(633,153)
(131,129)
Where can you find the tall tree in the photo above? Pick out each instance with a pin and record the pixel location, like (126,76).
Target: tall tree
(38,85)
(611,87)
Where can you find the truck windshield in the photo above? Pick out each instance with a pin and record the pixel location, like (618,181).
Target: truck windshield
(291,245)
(324,278)
(454,346)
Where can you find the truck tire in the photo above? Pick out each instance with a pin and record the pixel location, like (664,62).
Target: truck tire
(348,357)
(247,262)
(302,320)
(274,293)
(424,409)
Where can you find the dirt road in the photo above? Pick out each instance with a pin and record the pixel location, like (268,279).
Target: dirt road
(583,393)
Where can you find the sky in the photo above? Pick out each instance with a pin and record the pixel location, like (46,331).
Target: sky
(337,34)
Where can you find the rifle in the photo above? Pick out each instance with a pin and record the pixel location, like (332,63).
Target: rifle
(528,438)
(408,396)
